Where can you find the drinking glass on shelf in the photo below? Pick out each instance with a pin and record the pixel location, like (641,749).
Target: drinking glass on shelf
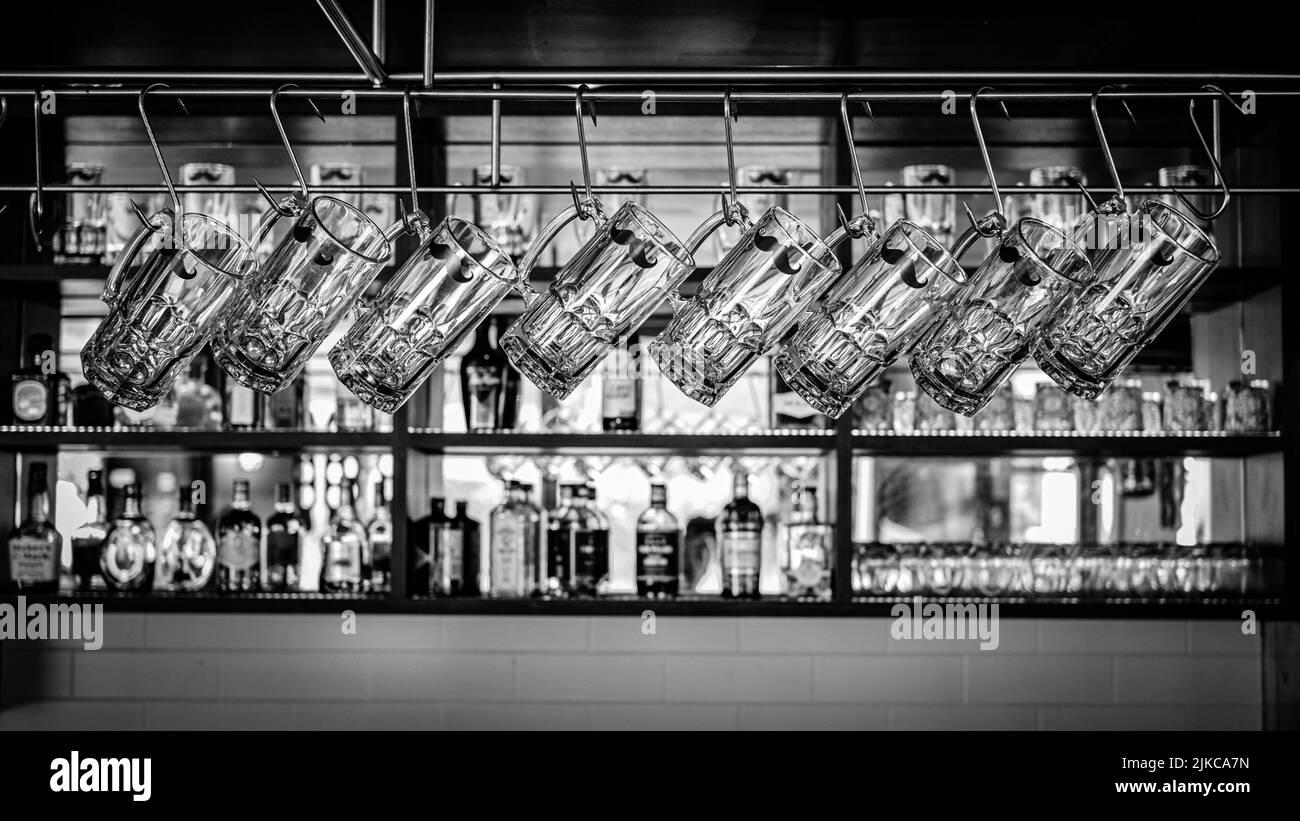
(754,176)
(877,567)
(1185,405)
(1087,416)
(905,411)
(1189,176)
(874,410)
(81,238)
(1152,411)
(510,218)
(326,174)
(931,416)
(219,204)
(1247,406)
(934,213)
(620,176)
(1049,569)
(989,325)
(1121,406)
(999,414)
(1052,410)
(1064,210)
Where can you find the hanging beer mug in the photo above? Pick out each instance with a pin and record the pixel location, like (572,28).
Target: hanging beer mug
(163,310)
(749,301)
(631,264)
(316,273)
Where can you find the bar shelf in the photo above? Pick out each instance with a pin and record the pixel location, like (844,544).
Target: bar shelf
(621,443)
(121,440)
(1064,443)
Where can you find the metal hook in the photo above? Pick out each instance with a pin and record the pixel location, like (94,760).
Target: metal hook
(996,221)
(587,206)
(410,161)
(1214,162)
(4,115)
(303,193)
(729,114)
(178,206)
(853,149)
(1116,204)
(36,204)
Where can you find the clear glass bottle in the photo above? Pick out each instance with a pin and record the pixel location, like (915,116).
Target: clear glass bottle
(807,549)
(379,534)
(658,548)
(241,406)
(34,545)
(740,541)
(198,404)
(284,534)
(351,414)
(344,551)
(447,572)
(514,533)
(88,538)
(435,532)
(239,545)
(188,555)
(469,535)
(482,381)
(130,548)
(620,392)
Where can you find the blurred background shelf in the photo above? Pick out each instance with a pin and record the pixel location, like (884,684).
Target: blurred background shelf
(627,444)
(198,441)
(1064,443)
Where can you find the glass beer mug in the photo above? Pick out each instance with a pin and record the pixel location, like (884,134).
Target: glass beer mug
(438,296)
(1148,265)
(985,331)
(316,273)
(161,315)
(869,318)
(603,293)
(746,304)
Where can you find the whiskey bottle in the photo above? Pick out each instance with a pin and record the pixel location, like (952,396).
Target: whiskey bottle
(131,547)
(591,566)
(344,551)
(419,550)
(559,521)
(34,545)
(284,534)
(39,392)
(88,539)
(241,406)
(807,549)
(447,571)
(620,393)
(435,531)
(740,541)
(510,381)
(483,382)
(188,555)
(239,545)
(658,548)
(469,537)
(379,535)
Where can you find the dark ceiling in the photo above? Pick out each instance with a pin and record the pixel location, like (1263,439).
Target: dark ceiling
(248,35)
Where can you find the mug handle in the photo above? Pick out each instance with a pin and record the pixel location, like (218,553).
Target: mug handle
(290,206)
(112,294)
(724,216)
(586,209)
(991,226)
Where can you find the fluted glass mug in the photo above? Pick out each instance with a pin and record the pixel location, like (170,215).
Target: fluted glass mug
(438,296)
(987,328)
(1148,265)
(316,273)
(746,304)
(870,317)
(163,314)
(601,295)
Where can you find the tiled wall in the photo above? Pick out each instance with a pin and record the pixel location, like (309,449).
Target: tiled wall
(424,672)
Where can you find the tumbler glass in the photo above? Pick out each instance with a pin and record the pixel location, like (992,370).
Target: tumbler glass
(934,213)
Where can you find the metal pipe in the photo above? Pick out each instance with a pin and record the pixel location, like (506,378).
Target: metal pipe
(379,29)
(496,142)
(564,190)
(112,76)
(427,78)
(370,65)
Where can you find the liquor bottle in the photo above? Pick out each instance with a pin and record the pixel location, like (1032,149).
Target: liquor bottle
(469,537)
(90,409)
(350,413)
(534,523)
(283,410)
(447,568)
(510,382)
(379,535)
(88,539)
(620,394)
(807,549)
(39,392)
(658,548)
(482,382)
(34,545)
(740,541)
(592,553)
(241,406)
(344,551)
(559,521)
(284,534)
(239,545)
(188,555)
(419,550)
(789,410)
(509,531)
(435,525)
(198,404)
(130,548)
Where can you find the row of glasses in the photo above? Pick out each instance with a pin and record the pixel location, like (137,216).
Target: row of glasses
(1053,570)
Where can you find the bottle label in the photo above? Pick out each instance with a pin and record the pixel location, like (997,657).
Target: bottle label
(741,552)
(484,388)
(507,552)
(124,555)
(618,398)
(33,560)
(241,405)
(31,400)
(282,548)
(656,557)
(454,550)
(237,550)
(590,556)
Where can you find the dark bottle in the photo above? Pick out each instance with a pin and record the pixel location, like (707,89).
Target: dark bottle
(130,548)
(241,407)
(34,545)
(578,560)
(658,547)
(489,385)
(90,408)
(469,538)
(39,392)
(239,545)
(379,534)
(284,409)
(740,541)
(620,393)
(445,559)
(510,383)
(88,539)
(559,521)
(284,534)
(419,556)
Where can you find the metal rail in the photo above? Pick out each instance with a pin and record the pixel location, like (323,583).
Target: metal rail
(366,59)
(564,190)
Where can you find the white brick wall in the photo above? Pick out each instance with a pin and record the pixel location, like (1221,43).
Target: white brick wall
(421,672)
